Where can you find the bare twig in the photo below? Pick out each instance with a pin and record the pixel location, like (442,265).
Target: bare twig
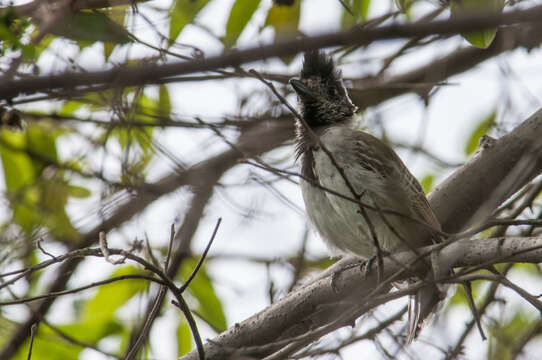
(192,323)
(81,288)
(202,258)
(33,330)
(38,243)
(105,251)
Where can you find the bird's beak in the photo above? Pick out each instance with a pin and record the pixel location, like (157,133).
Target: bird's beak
(301,89)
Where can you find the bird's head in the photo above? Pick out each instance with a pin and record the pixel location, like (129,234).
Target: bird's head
(321,93)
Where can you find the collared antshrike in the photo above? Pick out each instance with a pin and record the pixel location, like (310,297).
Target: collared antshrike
(336,156)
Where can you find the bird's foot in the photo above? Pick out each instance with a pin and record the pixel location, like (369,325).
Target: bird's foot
(335,275)
(365,266)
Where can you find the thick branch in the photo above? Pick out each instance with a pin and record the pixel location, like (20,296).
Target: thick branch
(302,311)
(471,193)
(145,74)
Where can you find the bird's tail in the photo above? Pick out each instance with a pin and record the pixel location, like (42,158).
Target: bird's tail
(421,308)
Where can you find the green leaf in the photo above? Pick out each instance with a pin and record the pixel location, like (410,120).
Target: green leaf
(460,297)
(79,192)
(403,5)
(7,327)
(117,14)
(36,201)
(503,337)
(184,338)
(427,183)
(69,108)
(360,9)
(29,52)
(481,129)
(164,103)
(284,20)
(209,305)
(532,269)
(90,27)
(44,44)
(480,39)
(18,169)
(109,298)
(183,13)
(240,14)
(49,345)
(41,139)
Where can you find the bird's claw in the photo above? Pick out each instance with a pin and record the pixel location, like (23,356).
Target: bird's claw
(335,275)
(365,267)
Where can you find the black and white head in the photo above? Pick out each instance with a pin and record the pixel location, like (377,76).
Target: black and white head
(321,93)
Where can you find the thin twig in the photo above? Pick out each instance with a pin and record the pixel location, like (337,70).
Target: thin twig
(81,288)
(105,251)
(32,335)
(192,323)
(203,255)
(170,245)
(38,243)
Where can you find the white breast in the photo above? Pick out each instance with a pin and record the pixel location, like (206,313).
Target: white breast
(338,220)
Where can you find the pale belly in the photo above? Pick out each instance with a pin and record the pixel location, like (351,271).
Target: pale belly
(339,221)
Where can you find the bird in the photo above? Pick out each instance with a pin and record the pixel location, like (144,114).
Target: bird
(339,162)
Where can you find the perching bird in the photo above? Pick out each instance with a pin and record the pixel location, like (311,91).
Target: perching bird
(372,170)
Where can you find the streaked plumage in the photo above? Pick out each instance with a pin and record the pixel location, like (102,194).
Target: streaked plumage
(373,169)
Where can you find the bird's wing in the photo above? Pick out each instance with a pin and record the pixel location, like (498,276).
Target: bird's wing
(396,171)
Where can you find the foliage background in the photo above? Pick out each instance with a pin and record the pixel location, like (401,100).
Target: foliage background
(83,156)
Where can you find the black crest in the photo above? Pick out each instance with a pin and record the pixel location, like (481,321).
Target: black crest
(318,63)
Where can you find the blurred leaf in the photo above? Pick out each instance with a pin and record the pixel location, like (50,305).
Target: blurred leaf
(18,169)
(480,39)
(403,5)
(360,8)
(184,338)
(284,19)
(183,13)
(44,44)
(427,183)
(41,140)
(79,192)
(69,108)
(532,269)
(164,103)
(36,200)
(117,14)
(481,129)
(29,52)
(503,337)
(460,297)
(96,319)
(109,298)
(94,101)
(240,15)
(6,329)
(50,346)
(209,305)
(90,27)
(108,50)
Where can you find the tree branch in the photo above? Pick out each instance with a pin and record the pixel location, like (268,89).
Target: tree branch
(302,311)
(149,74)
